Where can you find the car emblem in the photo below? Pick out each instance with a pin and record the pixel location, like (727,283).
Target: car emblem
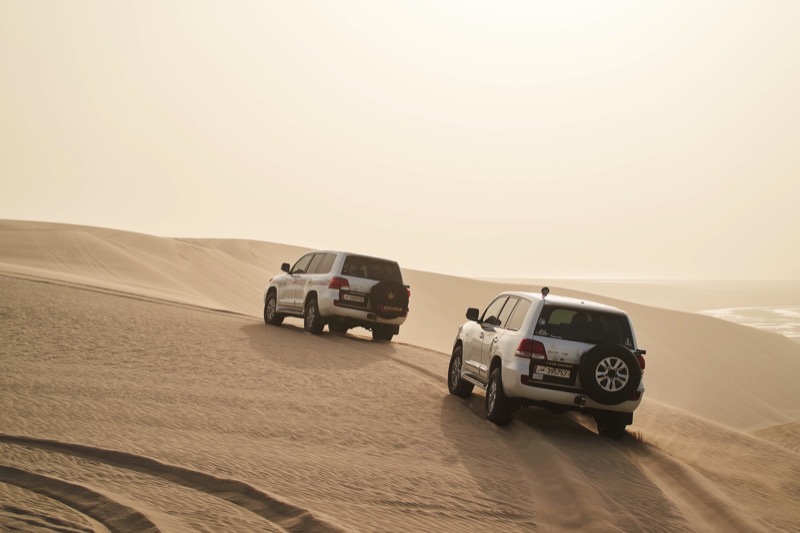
(390,295)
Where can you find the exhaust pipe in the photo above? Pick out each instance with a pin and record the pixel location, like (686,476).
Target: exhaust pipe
(580,400)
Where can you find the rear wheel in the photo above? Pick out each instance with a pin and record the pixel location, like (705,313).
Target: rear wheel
(312,321)
(271,315)
(498,407)
(611,425)
(337,326)
(455,383)
(382,333)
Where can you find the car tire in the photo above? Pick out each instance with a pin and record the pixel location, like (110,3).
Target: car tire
(457,385)
(611,425)
(312,320)
(337,326)
(271,316)
(609,373)
(498,406)
(389,299)
(382,333)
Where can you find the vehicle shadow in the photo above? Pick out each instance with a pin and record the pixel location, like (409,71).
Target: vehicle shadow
(295,347)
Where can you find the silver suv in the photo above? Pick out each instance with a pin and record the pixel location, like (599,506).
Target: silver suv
(560,353)
(340,289)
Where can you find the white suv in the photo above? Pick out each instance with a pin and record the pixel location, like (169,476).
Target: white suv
(564,354)
(342,290)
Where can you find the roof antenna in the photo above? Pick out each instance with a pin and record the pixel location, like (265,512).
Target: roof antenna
(545,292)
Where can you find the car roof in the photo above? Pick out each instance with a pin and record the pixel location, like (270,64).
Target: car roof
(567,301)
(340,252)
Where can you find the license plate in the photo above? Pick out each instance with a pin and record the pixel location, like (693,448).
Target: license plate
(357,298)
(551,371)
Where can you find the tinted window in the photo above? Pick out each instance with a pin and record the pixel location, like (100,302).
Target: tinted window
(584,326)
(371,268)
(302,265)
(312,267)
(326,264)
(506,312)
(492,313)
(518,315)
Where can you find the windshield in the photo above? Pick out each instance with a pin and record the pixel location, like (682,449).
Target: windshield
(584,325)
(371,268)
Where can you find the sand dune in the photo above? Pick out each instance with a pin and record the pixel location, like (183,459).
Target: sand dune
(140,390)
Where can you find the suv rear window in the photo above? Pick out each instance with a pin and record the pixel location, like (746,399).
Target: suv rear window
(584,325)
(371,268)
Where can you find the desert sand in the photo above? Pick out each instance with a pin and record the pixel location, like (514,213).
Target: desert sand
(140,390)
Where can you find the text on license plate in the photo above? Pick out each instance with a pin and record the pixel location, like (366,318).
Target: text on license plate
(353,298)
(550,371)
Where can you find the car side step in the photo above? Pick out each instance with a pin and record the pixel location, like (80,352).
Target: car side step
(474,380)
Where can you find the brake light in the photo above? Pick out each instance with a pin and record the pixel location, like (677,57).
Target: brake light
(531,349)
(640,358)
(339,283)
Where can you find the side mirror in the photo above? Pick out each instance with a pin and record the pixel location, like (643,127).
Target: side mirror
(285,267)
(473,313)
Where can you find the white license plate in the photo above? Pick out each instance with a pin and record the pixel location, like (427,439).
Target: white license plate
(353,298)
(550,371)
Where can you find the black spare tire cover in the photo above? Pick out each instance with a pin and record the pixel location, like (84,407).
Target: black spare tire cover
(610,373)
(389,299)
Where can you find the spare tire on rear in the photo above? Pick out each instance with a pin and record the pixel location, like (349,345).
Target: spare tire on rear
(389,299)
(610,373)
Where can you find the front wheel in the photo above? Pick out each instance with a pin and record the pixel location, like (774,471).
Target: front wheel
(498,406)
(312,321)
(271,315)
(455,383)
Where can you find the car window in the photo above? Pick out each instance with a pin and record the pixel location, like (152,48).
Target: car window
(312,267)
(492,313)
(371,268)
(518,314)
(506,312)
(585,326)
(326,264)
(302,264)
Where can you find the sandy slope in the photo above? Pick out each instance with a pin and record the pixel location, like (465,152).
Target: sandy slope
(139,390)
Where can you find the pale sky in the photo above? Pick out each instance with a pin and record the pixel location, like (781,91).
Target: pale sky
(536,138)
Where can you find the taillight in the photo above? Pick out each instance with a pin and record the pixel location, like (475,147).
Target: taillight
(529,348)
(339,283)
(640,358)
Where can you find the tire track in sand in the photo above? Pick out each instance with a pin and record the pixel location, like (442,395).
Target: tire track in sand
(696,497)
(282,514)
(111,514)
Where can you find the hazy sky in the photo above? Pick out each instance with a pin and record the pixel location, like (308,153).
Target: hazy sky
(535,138)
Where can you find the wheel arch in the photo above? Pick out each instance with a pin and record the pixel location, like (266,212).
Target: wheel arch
(268,291)
(311,295)
(497,361)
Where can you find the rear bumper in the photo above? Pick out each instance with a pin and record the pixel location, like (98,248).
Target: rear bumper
(515,384)
(328,308)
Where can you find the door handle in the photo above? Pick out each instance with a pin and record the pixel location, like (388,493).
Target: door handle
(495,340)
(482,334)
